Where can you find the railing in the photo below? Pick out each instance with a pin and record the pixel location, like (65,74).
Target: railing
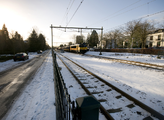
(64,106)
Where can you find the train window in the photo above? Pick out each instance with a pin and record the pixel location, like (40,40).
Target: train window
(73,46)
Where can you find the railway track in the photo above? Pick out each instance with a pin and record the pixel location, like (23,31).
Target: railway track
(147,65)
(115,104)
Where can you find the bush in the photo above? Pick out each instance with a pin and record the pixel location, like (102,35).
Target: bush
(5,58)
(141,51)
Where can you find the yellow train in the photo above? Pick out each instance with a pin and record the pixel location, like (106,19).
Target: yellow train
(78,48)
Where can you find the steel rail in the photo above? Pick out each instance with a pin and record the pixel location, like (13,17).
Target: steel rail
(103,110)
(137,102)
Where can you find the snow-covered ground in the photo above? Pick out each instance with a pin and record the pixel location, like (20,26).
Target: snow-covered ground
(146,58)
(144,84)
(36,101)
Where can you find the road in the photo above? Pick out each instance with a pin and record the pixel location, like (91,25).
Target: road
(13,81)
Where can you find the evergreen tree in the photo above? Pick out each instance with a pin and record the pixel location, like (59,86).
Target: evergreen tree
(33,41)
(41,42)
(4,36)
(17,43)
(88,38)
(94,40)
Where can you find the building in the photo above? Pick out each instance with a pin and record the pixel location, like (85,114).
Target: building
(155,39)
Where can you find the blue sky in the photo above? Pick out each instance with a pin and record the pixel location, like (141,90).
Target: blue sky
(24,15)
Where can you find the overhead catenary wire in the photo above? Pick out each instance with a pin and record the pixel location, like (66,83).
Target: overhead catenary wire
(113,13)
(75,12)
(73,15)
(119,11)
(116,12)
(67,10)
(133,9)
(137,19)
(125,11)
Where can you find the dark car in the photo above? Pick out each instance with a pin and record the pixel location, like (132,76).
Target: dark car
(39,51)
(20,56)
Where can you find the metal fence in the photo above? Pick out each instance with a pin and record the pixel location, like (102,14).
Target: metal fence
(64,107)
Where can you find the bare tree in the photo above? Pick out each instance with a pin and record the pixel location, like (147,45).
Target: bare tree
(70,43)
(161,25)
(88,38)
(143,30)
(74,38)
(130,31)
(114,37)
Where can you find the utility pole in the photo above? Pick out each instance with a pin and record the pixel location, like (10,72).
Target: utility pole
(52,36)
(101,40)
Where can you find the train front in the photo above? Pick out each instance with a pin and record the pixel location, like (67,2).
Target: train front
(83,48)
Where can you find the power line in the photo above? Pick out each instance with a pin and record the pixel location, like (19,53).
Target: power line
(118,11)
(125,11)
(73,15)
(137,19)
(133,8)
(75,12)
(67,10)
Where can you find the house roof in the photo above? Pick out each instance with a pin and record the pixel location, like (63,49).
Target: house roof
(157,31)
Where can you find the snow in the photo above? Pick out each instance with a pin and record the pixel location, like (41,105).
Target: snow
(146,58)
(146,85)
(37,100)
(74,89)
(141,80)
(143,84)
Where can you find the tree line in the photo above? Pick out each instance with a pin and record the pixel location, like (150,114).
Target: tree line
(14,43)
(132,35)
(92,40)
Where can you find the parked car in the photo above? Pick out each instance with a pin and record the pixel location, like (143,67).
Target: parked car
(39,51)
(20,56)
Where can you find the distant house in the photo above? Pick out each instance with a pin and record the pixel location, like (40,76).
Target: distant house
(156,38)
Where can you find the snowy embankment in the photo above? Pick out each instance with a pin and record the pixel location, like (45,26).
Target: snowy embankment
(37,100)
